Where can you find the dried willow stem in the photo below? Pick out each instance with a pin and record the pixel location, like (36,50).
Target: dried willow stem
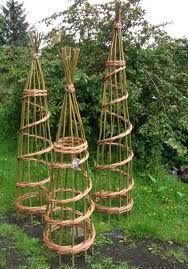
(69,228)
(34,149)
(114,152)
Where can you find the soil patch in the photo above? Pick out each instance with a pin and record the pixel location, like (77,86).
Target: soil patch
(10,258)
(145,253)
(115,248)
(32,227)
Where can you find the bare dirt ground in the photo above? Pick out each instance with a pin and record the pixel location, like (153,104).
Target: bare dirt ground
(142,253)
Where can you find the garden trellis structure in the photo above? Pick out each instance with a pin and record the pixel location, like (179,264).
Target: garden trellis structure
(35,147)
(69,228)
(114,181)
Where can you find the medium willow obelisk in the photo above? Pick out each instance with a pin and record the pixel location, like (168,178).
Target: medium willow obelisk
(114,153)
(69,228)
(34,149)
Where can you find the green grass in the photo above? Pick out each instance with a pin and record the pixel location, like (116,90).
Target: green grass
(160,211)
(8,152)
(21,244)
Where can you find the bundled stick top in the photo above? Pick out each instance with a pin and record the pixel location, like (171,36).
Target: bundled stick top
(35,39)
(117,10)
(70,60)
(70,123)
(35,79)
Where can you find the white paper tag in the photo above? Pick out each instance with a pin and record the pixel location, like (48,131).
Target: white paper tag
(75,163)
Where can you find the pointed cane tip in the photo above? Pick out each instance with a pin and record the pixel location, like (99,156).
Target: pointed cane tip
(35,38)
(118,2)
(118,5)
(117,22)
(76,50)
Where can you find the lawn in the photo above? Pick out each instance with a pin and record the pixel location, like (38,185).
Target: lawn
(153,235)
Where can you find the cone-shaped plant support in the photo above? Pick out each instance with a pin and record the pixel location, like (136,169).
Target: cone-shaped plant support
(35,147)
(114,154)
(69,228)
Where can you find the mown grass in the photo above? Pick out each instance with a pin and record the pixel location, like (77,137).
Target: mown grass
(160,210)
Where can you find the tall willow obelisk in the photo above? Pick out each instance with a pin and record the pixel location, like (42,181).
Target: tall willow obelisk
(114,181)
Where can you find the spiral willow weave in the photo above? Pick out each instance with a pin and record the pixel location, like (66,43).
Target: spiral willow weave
(34,149)
(69,229)
(114,153)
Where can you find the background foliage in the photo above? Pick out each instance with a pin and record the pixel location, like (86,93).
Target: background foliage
(157,72)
